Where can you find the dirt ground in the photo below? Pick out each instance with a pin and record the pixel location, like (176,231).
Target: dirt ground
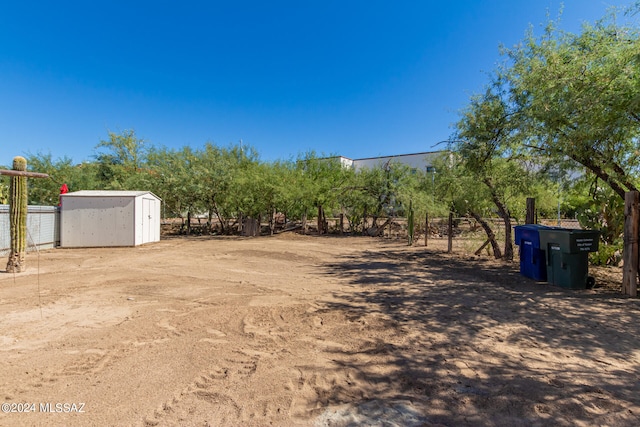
(309,331)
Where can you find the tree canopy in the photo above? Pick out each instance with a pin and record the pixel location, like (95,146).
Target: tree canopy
(563,109)
(577,97)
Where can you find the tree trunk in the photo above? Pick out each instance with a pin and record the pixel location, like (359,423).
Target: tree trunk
(240,223)
(619,182)
(304,222)
(272,221)
(508,240)
(450,234)
(616,185)
(222,221)
(320,220)
(426,229)
(210,221)
(490,234)
(506,217)
(375,231)
(410,224)
(630,253)
(619,185)
(365,222)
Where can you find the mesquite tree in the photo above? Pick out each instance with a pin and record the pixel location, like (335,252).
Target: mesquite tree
(578,96)
(484,136)
(18,218)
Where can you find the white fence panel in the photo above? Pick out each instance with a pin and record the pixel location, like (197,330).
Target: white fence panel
(42,228)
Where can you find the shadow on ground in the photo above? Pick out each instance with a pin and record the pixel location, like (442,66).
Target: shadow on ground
(472,342)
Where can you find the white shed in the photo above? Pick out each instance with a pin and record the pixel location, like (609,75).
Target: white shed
(109,218)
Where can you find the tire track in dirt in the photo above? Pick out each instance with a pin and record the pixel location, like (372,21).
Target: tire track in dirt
(271,331)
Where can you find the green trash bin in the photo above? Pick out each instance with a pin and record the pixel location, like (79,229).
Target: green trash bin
(567,256)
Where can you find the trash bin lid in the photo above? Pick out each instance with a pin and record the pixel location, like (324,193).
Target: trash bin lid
(528,233)
(570,240)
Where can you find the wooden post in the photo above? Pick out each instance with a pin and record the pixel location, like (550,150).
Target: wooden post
(450,233)
(341,223)
(426,229)
(23,173)
(531,211)
(251,227)
(631,231)
(320,220)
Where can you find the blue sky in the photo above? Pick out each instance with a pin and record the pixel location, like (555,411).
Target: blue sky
(356,78)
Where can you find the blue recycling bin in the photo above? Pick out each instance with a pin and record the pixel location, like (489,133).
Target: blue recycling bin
(532,257)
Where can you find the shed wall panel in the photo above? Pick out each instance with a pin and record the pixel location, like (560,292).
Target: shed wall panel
(97,221)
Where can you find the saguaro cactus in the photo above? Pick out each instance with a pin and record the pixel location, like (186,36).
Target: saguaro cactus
(18,218)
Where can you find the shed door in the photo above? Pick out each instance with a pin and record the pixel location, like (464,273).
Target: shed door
(147,221)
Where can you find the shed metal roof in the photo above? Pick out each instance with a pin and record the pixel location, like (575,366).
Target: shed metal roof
(108,193)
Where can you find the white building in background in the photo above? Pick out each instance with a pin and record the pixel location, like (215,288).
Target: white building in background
(417,161)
